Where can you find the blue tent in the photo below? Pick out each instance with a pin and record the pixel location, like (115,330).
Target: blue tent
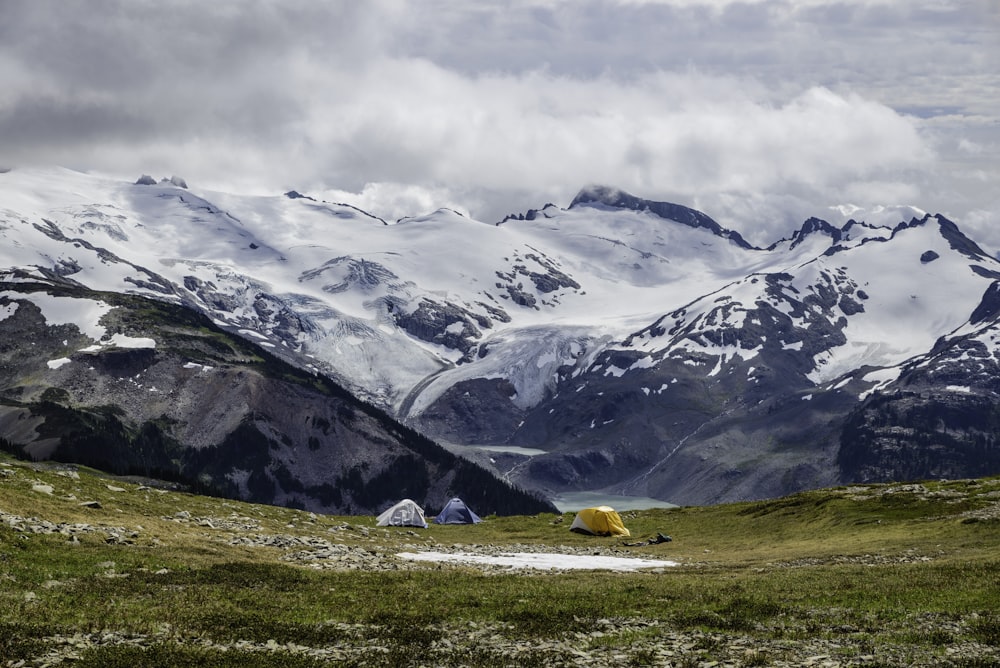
(456,512)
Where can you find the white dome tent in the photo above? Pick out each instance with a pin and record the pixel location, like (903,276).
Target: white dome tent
(406,513)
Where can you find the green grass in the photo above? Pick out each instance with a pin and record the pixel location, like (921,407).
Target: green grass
(873,569)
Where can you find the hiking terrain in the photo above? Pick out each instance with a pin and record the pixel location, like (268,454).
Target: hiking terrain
(106,571)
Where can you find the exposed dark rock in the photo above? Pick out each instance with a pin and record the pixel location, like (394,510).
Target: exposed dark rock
(928,256)
(531,214)
(957,240)
(517,294)
(914,436)
(850,306)
(440,322)
(474,411)
(989,306)
(552,279)
(351,273)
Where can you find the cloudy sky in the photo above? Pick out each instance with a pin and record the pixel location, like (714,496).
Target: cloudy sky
(760,113)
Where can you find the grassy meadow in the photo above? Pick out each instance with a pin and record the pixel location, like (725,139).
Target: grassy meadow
(96,571)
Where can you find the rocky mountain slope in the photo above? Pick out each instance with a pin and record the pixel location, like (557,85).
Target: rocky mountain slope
(164,393)
(617,345)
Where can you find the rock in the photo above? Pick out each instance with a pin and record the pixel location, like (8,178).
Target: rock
(928,256)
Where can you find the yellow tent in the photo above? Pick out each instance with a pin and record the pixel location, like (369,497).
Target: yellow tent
(600,521)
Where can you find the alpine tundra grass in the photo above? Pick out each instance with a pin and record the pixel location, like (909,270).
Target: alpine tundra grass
(96,571)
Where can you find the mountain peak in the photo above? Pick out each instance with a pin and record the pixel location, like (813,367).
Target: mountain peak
(814,226)
(619,199)
(600,194)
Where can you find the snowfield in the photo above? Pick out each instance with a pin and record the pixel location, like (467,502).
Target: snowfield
(542,561)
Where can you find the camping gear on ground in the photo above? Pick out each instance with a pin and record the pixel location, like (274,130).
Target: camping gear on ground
(456,512)
(659,538)
(600,521)
(406,513)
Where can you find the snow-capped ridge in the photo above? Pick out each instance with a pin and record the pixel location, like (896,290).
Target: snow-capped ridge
(854,229)
(147,180)
(812,226)
(328,206)
(854,233)
(816,226)
(531,214)
(619,199)
(437,214)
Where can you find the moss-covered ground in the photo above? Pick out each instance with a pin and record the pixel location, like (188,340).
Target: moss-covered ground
(99,571)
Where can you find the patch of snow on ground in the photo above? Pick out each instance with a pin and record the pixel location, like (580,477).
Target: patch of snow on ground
(8,310)
(643,363)
(55,364)
(123,341)
(254,334)
(545,359)
(84,313)
(195,365)
(843,359)
(542,561)
(883,377)
(951,388)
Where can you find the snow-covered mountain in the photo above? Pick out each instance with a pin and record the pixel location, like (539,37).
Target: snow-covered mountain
(618,344)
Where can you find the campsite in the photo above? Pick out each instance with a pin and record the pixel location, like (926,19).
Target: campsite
(97,571)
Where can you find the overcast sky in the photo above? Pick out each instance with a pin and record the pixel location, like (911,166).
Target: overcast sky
(759,113)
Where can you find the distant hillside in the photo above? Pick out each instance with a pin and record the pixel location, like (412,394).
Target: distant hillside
(164,393)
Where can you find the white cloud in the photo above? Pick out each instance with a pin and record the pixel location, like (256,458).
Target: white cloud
(761,113)
(681,136)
